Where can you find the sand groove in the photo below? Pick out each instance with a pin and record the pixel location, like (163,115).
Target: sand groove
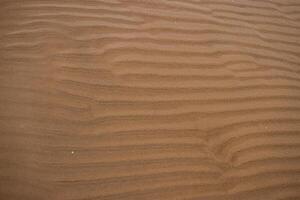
(144,99)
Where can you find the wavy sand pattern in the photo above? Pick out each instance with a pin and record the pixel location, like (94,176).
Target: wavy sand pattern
(150,99)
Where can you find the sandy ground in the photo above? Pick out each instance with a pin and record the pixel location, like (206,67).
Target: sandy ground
(149,100)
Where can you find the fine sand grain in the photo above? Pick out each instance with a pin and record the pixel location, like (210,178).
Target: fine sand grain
(149,99)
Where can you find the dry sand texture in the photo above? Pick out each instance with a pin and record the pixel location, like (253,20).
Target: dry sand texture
(150,99)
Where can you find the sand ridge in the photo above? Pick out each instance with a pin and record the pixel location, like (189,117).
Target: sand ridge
(146,99)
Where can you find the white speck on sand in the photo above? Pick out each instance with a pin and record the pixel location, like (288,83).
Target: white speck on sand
(72,152)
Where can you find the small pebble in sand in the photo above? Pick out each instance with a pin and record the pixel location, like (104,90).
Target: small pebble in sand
(72,152)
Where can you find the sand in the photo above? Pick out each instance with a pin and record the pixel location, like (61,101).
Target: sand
(150,100)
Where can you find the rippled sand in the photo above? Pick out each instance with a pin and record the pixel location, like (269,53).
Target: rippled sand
(150,100)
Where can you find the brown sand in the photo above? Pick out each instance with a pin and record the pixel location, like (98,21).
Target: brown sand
(150,99)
